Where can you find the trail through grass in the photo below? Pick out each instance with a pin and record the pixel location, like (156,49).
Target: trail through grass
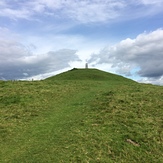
(81,121)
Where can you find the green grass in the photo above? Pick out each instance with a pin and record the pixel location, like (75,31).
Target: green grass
(89,74)
(83,115)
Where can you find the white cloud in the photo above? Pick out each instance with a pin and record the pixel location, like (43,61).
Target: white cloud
(18,61)
(15,10)
(153,2)
(158,81)
(10,47)
(45,75)
(85,11)
(96,11)
(14,14)
(2,3)
(144,54)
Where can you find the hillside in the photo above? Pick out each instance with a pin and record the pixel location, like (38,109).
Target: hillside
(89,74)
(82,115)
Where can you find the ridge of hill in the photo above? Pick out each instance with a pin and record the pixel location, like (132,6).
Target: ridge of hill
(89,74)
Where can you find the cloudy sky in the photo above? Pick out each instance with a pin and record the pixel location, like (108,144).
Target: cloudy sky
(39,38)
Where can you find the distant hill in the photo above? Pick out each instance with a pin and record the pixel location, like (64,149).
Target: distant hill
(89,74)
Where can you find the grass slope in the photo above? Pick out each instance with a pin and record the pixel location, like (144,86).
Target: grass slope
(89,74)
(107,119)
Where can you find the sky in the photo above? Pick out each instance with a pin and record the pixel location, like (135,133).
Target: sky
(41,38)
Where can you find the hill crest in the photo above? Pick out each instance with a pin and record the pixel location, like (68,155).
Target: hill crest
(89,74)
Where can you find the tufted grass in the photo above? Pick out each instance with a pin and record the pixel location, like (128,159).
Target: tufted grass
(102,118)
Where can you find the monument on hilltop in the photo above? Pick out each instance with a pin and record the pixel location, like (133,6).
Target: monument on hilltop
(86,65)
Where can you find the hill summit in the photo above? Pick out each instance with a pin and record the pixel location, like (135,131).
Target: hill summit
(89,74)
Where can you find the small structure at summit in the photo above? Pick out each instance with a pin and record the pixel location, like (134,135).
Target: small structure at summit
(86,65)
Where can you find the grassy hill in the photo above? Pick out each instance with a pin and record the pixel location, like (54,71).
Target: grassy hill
(83,115)
(89,74)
